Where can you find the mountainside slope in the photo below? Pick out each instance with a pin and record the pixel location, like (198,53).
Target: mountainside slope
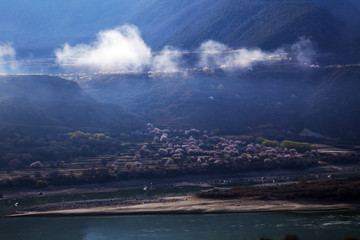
(43,103)
(322,100)
(348,11)
(38,28)
(334,106)
(264,24)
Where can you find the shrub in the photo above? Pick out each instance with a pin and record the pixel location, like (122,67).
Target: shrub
(5,183)
(259,140)
(220,87)
(15,164)
(270,143)
(299,146)
(216,131)
(41,184)
(246,138)
(78,135)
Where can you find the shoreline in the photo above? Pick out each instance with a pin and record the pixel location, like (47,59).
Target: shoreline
(192,205)
(188,180)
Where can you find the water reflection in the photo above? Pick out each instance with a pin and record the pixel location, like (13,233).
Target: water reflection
(213,227)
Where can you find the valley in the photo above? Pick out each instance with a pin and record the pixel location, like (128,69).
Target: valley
(206,119)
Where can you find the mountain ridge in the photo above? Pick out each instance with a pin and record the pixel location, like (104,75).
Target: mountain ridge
(288,98)
(182,24)
(51,104)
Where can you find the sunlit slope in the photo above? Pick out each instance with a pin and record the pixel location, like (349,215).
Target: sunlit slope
(265,24)
(37,28)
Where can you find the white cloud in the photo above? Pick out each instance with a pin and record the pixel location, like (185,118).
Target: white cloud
(168,60)
(7,57)
(214,54)
(123,49)
(245,58)
(211,54)
(217,55)
(304,51)
(119,49)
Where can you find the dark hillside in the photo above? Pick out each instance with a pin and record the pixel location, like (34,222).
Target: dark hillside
(336,103)
(265,24)
(346,10)
(37,103)
(290,99)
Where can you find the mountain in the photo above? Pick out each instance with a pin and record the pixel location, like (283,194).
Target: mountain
(355,2)
(36,29)
(290,98)
(34,104)
(264,24)
(347,11)
(285,97)
(333,107)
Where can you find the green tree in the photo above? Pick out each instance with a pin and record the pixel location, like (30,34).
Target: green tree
(299,146)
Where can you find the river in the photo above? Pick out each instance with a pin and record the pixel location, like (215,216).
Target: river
(245,226)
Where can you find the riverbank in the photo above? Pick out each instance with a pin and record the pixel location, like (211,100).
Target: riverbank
(206,180)
(194,205)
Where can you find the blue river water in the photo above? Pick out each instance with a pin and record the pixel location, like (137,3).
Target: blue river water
(245,226)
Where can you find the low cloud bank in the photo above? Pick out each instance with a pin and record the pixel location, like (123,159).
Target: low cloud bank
(217,55)
(123,49)
(119,49)
(168,60)
(7,58)
(304,51)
